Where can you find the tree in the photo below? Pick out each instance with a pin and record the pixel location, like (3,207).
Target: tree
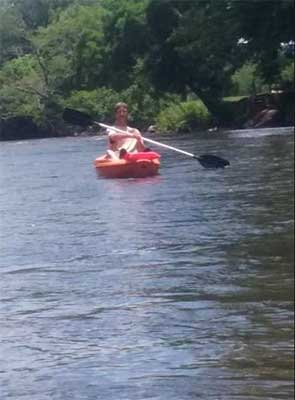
(264,25)
(13,35)
(22,90)
(19,19)
(72,49)
(64,56)
(142,49)
(125,38)
(197,49)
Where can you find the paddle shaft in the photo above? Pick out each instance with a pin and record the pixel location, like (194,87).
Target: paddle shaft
(149,140)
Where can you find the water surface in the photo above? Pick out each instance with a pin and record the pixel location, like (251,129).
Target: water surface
(176,287)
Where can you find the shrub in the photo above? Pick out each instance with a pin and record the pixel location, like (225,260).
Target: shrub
(184,116)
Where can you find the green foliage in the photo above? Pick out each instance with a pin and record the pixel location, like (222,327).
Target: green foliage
(72,48)
(19,103)
(142,105)
(13,36)
(199,47)
(264,25)
(24,92)
(139,96)
(287,75)
(21,88)
(36,13)
(246,81)
(89,54)
(183,116)
(99,103)
(234,99)
(200,51)
(125,35)
(19,18)
(18,69)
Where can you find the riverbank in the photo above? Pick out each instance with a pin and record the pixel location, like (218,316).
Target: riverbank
(267,110)
(264,110)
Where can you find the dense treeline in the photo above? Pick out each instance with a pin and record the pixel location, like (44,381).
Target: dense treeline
(173,61)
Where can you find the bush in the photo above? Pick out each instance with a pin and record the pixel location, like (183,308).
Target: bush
(184,116)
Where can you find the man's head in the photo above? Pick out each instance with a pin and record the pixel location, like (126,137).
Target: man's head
(121,113)
(120,105)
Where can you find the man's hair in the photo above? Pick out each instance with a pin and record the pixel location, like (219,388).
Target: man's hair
(120,104)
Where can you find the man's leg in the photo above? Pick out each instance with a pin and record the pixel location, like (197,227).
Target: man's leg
(112,154)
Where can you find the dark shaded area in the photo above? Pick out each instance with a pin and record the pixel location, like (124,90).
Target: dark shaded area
(19,128)
(265,110)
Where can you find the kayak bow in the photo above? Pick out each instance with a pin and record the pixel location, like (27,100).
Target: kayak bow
(137,165)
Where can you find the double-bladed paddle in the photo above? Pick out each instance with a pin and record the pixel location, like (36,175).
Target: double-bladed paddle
(206,160)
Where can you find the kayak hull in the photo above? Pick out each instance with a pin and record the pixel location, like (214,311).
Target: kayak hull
(131,167)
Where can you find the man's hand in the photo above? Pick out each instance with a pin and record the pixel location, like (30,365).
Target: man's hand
(136,134)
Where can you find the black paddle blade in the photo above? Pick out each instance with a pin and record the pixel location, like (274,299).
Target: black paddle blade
(211,161)
(77,117)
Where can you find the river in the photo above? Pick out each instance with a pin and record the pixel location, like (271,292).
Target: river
(176,287)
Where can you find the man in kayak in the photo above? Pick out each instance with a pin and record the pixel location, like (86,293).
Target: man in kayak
(122,143)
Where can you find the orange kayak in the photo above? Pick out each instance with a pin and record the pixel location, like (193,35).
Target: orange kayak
(137,165)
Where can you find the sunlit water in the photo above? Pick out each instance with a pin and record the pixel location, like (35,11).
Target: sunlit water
(176,287)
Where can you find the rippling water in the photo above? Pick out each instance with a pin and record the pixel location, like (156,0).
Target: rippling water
(176,287)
